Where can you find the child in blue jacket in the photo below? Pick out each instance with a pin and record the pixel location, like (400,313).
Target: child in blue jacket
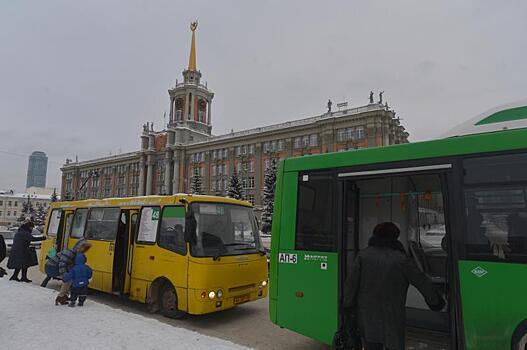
(80,274)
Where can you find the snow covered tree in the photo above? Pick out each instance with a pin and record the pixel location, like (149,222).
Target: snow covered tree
(196,186)
(235,189)
(27,211)
(40,215)
(54,196)
(268,197)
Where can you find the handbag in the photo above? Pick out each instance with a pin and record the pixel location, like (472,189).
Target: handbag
(348,337)
(32,256)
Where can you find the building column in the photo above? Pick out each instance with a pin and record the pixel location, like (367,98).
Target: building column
(185,107)
(175,178)
(192,103)
(206,182)
(168,180)
(209,107)
(171,115)
(149,175)
(141,189)
(127,181)
(259,174)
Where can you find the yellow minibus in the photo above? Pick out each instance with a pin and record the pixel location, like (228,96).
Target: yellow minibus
(180,254)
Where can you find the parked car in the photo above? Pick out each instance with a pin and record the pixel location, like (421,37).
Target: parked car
(10,234)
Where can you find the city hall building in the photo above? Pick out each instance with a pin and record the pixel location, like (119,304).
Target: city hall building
(170,158)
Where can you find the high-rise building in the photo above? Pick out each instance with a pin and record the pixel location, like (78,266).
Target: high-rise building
(185,148)
(37,169)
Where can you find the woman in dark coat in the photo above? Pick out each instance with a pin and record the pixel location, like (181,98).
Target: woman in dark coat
(3,252)
(377,289)
(20,257)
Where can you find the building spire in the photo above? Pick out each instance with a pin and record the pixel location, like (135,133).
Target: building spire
(192,58)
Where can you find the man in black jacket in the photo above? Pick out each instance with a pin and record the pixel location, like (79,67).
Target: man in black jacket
(377,287)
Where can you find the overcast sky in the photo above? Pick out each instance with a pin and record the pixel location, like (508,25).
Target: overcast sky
(81,77)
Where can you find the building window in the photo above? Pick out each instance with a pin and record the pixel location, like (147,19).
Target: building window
(250,198)
(280,145)
(16,204)
(313,140)
(1,202)
(251,149)
(360,132)
(10,203)
(14,213)
(298,142)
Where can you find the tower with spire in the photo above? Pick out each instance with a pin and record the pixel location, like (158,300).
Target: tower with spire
(191,101)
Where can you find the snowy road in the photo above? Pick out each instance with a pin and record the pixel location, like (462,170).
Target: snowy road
(247,325)
(30,321)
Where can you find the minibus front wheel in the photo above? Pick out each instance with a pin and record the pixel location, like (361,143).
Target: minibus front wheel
(168,302)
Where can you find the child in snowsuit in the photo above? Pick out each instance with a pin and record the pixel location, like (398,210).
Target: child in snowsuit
(80,276)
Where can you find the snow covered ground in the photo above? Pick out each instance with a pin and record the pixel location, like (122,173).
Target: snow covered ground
(29,319)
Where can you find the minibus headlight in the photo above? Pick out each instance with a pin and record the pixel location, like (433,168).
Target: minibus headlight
(264,283)
(219,293)
(212,294)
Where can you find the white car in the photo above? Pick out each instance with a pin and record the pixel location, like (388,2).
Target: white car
(10,234)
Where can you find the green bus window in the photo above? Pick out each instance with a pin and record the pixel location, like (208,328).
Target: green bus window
(314,227)
(79,222)
(496,208)
(496,169)
(54,222)
(172,230)
(102,223)
(148,225)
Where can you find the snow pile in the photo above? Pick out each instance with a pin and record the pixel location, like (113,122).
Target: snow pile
(29,319)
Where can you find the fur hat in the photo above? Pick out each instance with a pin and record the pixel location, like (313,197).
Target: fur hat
(387,230)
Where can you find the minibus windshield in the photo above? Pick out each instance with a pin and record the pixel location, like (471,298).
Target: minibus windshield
(223,229)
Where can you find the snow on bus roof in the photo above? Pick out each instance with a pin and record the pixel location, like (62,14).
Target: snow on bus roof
(508,116)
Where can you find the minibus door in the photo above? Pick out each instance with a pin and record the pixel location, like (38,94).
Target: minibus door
(67,228)
(61,240)
(133,217)
(120,275)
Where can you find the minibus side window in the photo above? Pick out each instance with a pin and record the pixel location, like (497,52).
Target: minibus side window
(148,224)
(102,223)
(172,230)
(79,222)
(314,230)
(54,222)
(496,207)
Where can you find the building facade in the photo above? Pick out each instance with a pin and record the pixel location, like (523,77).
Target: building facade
(11,204)
(37,169)
(168,159)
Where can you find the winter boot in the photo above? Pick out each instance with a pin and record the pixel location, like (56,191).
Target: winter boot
(81,303)
(62,300)
(72,303)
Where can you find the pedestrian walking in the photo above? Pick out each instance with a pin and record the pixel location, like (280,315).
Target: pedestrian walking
(377,287)
(79,276)
(23,256)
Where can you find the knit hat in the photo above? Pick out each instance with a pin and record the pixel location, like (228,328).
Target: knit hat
(387,230)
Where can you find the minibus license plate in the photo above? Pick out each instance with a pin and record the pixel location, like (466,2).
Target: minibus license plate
(241,298)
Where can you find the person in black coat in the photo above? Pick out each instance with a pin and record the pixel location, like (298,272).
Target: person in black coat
(3,252)
(377,287)
(20,258)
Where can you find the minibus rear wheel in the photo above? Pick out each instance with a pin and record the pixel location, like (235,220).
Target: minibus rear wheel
(168,302)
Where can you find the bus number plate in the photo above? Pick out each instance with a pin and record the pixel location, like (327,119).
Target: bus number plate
(242,299)
(285,258)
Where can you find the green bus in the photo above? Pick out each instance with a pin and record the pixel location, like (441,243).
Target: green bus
(461,205)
